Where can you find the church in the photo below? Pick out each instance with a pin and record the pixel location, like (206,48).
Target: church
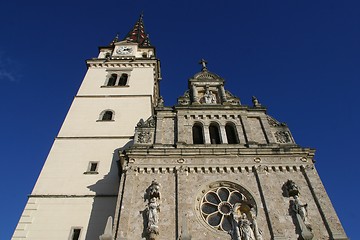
(125,166)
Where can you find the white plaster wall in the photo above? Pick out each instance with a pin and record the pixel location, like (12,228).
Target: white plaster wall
(81,120)
(140,81)
(63,172)
(53,218)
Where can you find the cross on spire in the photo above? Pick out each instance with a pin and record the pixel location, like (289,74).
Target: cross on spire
(203,64)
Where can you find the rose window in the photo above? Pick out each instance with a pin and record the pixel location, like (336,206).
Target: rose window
(217,205)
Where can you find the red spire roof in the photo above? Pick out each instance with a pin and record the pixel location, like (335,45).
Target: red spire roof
(138,34)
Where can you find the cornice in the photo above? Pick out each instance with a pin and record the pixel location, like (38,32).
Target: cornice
(221,151)
(126,63)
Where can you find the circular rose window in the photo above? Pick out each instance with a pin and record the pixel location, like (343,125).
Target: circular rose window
(216,206)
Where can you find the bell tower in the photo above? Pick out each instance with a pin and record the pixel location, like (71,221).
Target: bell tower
(77,189)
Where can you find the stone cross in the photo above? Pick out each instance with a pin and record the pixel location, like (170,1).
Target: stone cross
(203,63)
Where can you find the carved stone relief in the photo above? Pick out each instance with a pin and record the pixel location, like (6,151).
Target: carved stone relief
(144,137)
(283,137)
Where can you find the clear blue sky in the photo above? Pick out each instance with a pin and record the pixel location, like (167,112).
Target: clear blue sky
(300,58)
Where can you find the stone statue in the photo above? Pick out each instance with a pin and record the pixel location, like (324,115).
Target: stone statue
(246,232)
(300,208)
(257,231)
(300,211)
(244,228)
(154,190)
(153,209)
(153,217)
(256,102)
(160,102)
(209,97)
(292,188)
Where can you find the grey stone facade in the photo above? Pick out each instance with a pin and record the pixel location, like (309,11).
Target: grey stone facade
(201,182)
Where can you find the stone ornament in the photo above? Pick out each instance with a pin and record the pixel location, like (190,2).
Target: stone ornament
(299,209)
(256,102)
(153,210)
(274,123)
(283,137)
(149,123)
(144,137)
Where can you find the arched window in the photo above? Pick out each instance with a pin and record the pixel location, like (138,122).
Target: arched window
(197,132)
(214,134)
(123,79)
(112,80)
(231,135)
(107,115)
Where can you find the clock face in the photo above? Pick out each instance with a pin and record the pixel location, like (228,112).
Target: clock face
(124,50)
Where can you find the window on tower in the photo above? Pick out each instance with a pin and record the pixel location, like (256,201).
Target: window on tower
(112,80)
(214,133)
(231,135)
(123,79)
(92,168)
(197,132)
(75,233)
(117,79)
(106,115)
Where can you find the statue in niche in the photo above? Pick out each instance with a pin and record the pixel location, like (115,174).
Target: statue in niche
(300,211)
(209,97)
(153,210)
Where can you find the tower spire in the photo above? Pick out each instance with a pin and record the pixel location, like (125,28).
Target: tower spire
(138,34)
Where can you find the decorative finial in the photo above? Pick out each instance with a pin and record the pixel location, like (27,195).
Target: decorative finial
(256,102)
(203,63)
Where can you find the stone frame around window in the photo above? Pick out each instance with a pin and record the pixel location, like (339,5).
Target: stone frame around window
(247,201)
(90,165)
(118,73)
(101,115)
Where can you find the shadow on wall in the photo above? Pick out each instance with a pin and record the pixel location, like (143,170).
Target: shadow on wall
(104,203)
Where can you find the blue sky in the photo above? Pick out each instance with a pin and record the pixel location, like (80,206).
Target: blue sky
(300,58)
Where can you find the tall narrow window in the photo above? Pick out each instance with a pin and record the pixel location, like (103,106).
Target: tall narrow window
(214,134)
(75,233)
(231,135)
(112,80)
(123,79)
(197,132)
(107,116)
(93,166)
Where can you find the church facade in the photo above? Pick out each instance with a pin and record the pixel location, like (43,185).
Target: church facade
(206,168)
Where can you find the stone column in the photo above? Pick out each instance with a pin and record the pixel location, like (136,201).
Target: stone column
(223,94)
(206,135)
(194,94)
(223,134)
